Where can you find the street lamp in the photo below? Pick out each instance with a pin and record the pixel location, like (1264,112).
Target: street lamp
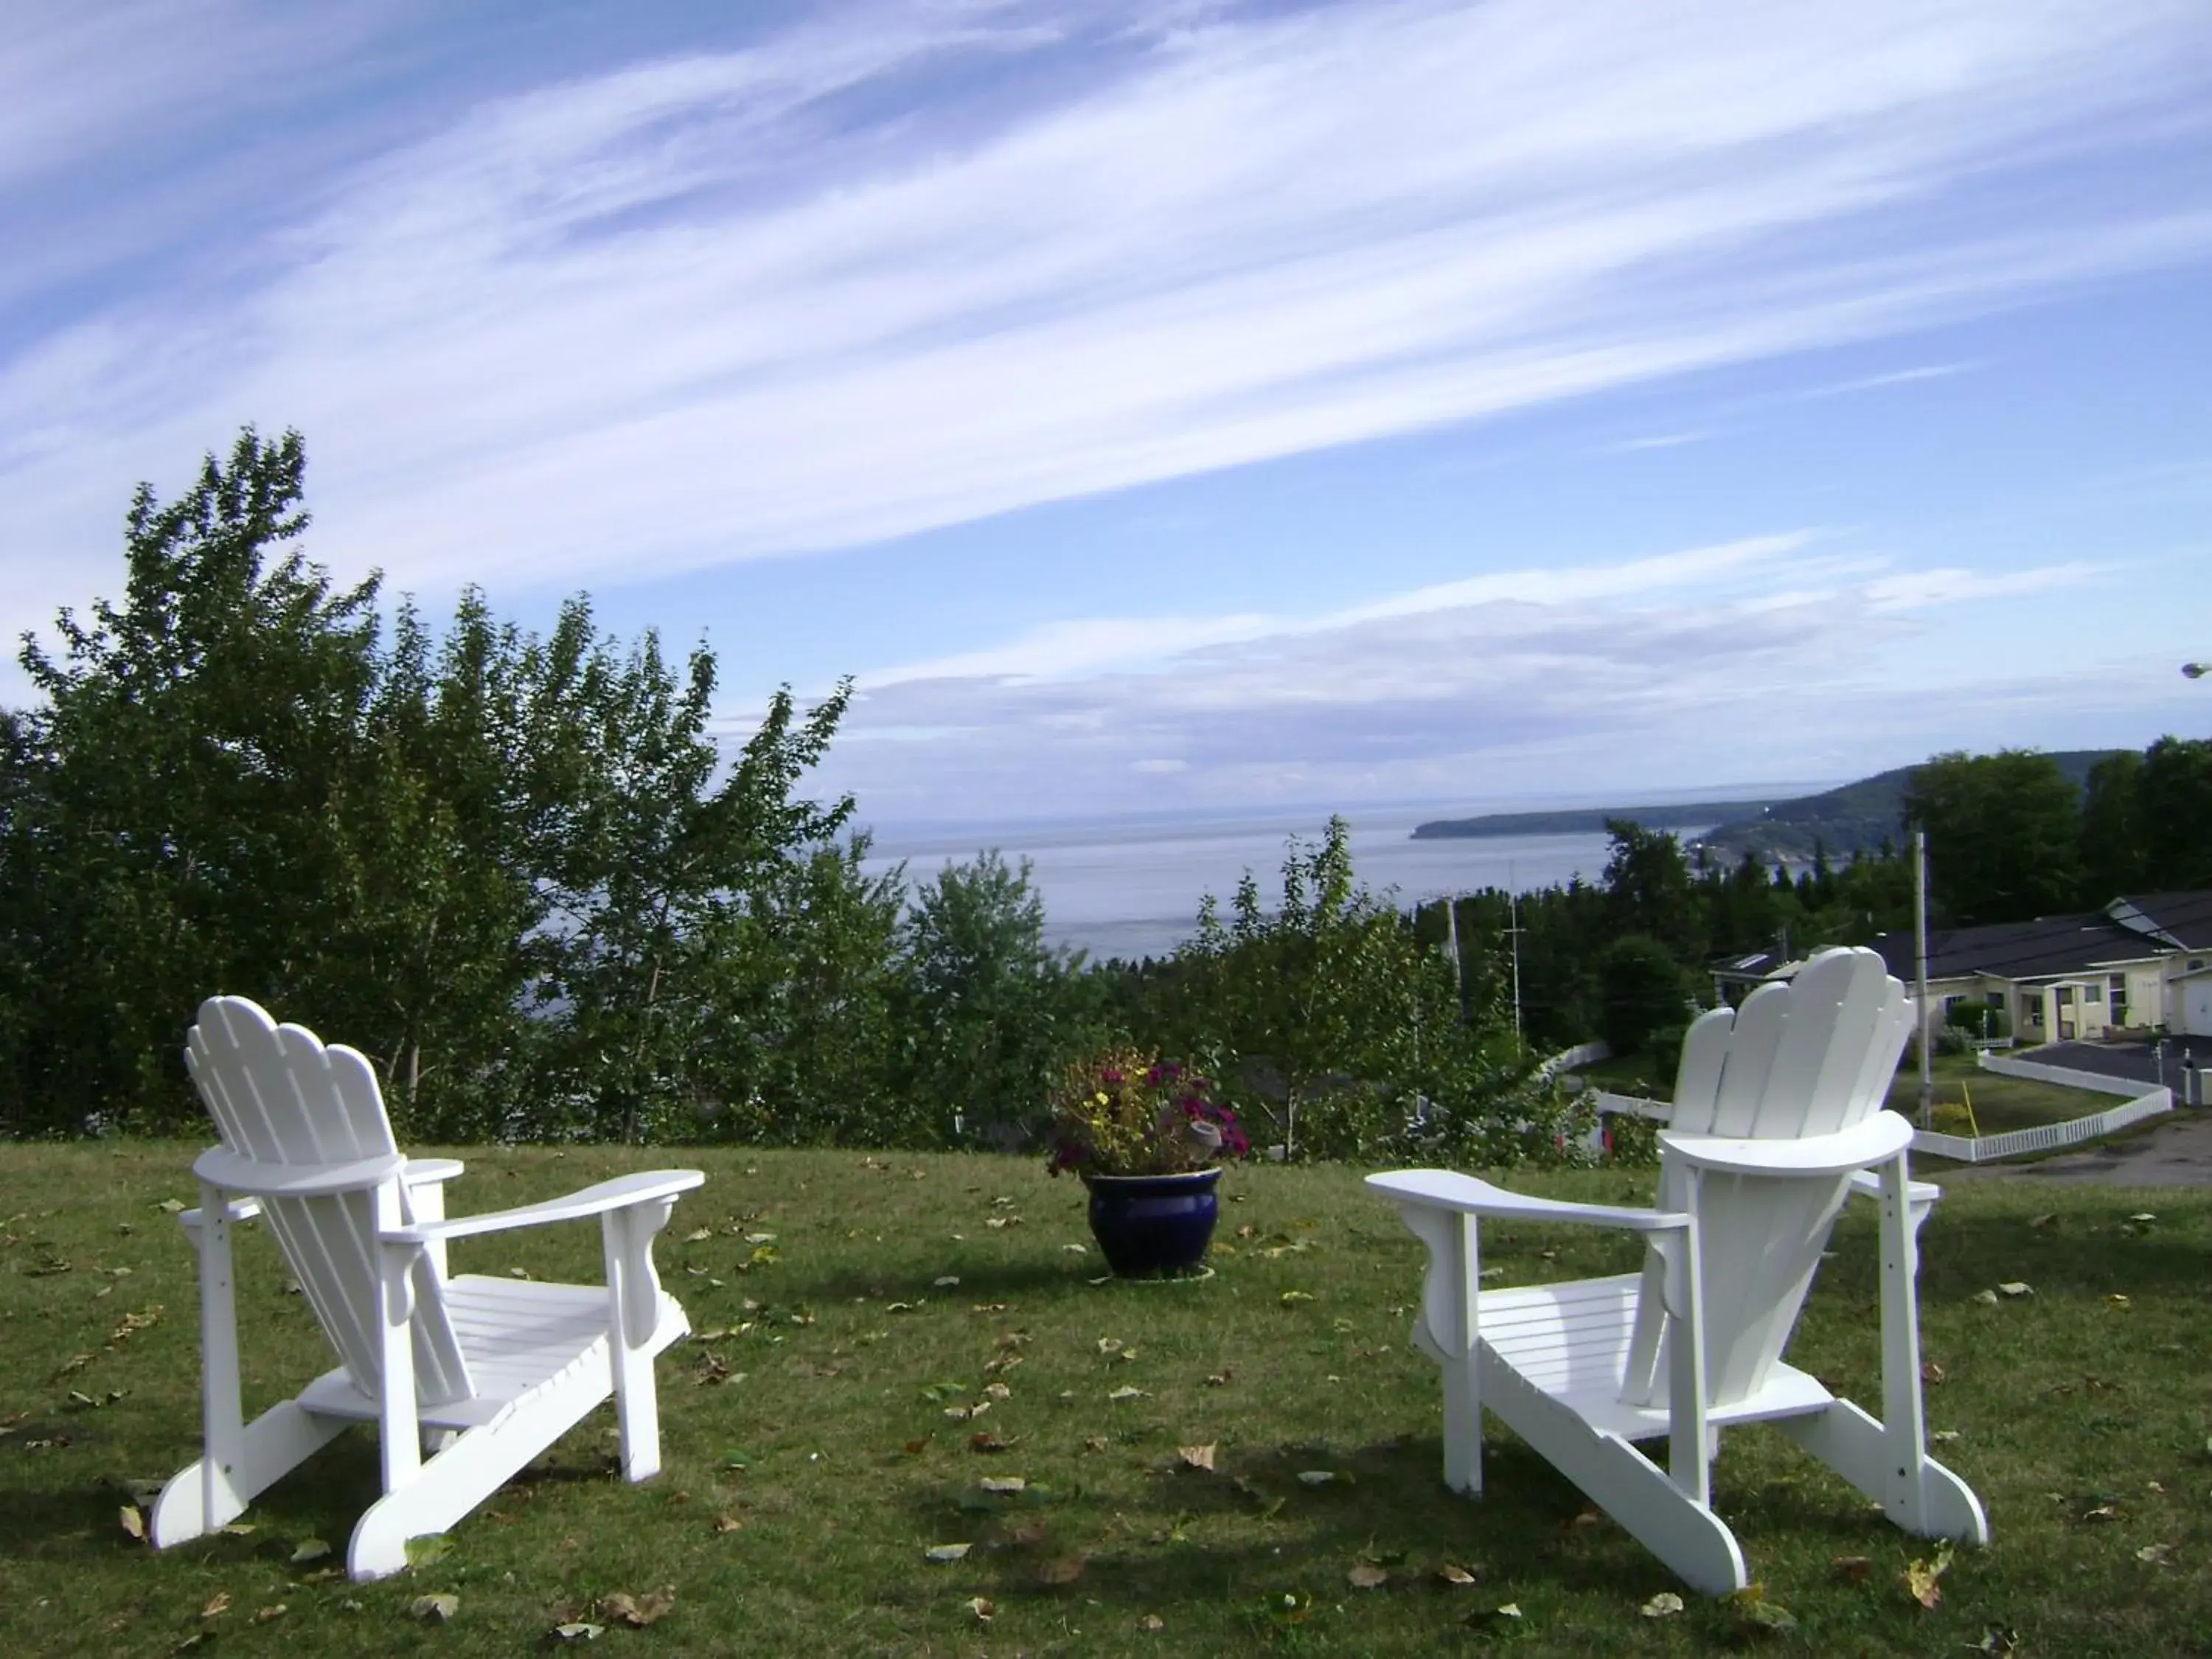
(2197,671)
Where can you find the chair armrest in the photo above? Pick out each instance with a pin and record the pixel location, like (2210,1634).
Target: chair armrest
(1867,1183)
(220,1167)
(645,1187)
(1446,1190)
(1879,1137)
(418,1172)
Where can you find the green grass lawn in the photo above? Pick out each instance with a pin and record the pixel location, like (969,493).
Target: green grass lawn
(811,1463)
(1999,1103)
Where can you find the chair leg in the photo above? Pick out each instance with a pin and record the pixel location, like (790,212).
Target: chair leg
(477,1464)
(267,1448)
(1919,1495)
(1646,1500)
(634,1336)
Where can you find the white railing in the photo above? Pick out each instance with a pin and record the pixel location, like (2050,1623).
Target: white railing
(1659,1111)
(1567,1059)
(2065,1076)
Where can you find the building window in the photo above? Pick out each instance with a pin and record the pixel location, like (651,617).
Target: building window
(2119,984)
(2031,1010)
(2066,996)
(2093,993)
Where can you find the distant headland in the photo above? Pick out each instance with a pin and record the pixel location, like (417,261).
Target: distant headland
(1839,822)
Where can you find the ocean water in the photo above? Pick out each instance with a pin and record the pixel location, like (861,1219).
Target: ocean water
(1124,891)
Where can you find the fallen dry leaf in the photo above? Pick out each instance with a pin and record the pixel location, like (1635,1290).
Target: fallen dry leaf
(988,1443)
(1002,1485)
(1853,1569)
(309,1549)
(1196,1458)
(943,1553)
(636,1612)
(2159,1555)
(437,1609)
(1063,1569)
(133,1522)
(1665,1605)
(1125,1392)
(984,1611)
(265,1615)
(576,1629)
(1454,1575)
(1367,1575)
(1922,1579)
(1930,1372)
(727,1523)
(2015,1287)
(215,1605)
(1151,1621)
(1219,1379)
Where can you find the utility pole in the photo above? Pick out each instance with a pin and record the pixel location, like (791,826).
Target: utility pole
(1920,940)
(1513,933)
(1451,944)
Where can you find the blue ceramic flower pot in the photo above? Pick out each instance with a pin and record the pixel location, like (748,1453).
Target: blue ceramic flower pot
(1149,1225)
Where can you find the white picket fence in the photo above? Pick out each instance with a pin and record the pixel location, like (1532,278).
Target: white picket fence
(1968,1149)
(2044,1137)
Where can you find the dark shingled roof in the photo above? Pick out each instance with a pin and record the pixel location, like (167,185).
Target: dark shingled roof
(2048,946)
(2184,918)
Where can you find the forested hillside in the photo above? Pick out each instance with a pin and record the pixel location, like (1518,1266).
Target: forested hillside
(1864,815)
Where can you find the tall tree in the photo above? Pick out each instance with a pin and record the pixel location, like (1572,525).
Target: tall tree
(1649,891)
(2003,835)
(2112,842)
(2175,805)
(994,1011)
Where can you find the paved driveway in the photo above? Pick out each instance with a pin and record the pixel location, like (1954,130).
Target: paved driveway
(2138,1062)
(2175,1152)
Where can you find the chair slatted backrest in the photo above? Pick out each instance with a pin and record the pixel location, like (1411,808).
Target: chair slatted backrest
(1808,1057)
(280,1096)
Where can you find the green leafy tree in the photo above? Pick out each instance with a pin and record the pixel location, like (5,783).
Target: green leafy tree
(1650,890)
(2175,812)
(1337,1028)
(2003,835)
(170,827)
(994,1011)
(515,872)
(2113,844)
(1643,992)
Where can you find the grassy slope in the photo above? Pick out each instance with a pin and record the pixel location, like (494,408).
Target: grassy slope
(2065,1403)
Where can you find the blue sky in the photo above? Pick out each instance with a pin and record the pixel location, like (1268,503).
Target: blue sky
(1178,405)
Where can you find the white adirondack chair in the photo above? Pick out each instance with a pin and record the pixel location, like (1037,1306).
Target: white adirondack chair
(485,1372)
(1776,1123)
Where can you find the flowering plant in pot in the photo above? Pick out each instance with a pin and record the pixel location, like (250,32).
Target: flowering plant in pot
(1147,1137)
(1125,1112)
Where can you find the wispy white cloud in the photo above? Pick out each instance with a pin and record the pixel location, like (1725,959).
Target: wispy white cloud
(1683,665)
(1895,377)
(1075,648)
(1660,440)
(910,267)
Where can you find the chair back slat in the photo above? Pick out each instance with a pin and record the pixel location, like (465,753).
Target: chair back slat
(280,1096)
(1753,1041)
(1697,1080)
